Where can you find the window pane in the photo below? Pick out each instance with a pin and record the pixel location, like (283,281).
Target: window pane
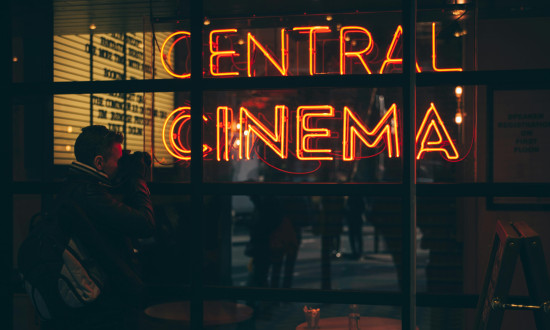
(446,139)
(140,116)
(165,257)
(442,224)
(24,208)
(104,54)
(323,135)
(495,50)
(520,135)
(432,318)
(317,242)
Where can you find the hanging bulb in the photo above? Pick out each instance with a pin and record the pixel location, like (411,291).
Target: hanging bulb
(458,91)
(458,118)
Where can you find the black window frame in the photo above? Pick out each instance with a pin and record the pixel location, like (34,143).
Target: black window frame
(408,190)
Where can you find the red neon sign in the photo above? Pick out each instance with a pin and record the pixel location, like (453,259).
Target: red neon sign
(434,125)
(243,134)
(347,37)
(252,43)
(164,57)
(216,53)
(389,55)
(434,56)
(251,125)
(354,127)
(313,30)
(305,133)
(177,134)
(358,54)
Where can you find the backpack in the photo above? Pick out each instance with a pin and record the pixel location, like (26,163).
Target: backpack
(57,273)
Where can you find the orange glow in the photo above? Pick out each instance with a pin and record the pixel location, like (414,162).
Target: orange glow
(313,30)
(216,53)
(282,68)
(434,56)
(251,124)
(381,130)
(389,60)
(224,118)
(358,54)
(304,133)
(181,113)
(174,146)
(432,135)
(434,145)
(163,57)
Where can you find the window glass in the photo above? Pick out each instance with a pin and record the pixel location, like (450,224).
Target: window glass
(358,43)
(98,53)
(520,135)
(322,135)
(446,134)
(140,116)
(442,318)
(495,51)
(165,258)
(442,224)
(308,242)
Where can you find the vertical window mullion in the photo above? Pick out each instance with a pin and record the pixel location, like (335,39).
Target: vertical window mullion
(197,284)
(408,247)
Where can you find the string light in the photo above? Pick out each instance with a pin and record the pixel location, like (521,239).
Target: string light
(458,91)
(458,118)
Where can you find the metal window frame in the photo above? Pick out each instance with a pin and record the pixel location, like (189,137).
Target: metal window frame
(408,190)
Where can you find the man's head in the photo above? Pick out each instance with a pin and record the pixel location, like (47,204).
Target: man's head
(100,148)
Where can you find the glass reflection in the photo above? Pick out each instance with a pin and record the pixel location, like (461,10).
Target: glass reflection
(319,242)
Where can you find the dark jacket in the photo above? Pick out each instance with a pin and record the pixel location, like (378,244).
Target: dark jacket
(110,221)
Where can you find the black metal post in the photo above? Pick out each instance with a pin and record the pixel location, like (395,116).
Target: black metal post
(125,111)
(6,229)
(197,282)
(408,267)
(91,49)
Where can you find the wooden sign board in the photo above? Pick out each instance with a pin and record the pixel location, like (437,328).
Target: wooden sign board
(513,240)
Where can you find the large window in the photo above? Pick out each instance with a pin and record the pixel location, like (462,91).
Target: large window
(301,145)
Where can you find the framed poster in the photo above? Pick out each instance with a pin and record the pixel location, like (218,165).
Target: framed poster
(518,143)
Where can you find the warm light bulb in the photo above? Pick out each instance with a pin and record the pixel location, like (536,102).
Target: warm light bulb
(458,91)
(92,26)
(238,126)
(241,41)
(15,59)
(69,129)
(206,21)
(329,18)
(68,147)
(458,118)
(245,133)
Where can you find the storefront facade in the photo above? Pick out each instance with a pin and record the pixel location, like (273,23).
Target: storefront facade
(414,125)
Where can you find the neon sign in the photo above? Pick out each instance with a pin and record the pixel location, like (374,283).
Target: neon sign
(307,132)
(241,135)
(348,39)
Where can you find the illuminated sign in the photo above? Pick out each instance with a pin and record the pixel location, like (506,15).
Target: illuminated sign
(236,136)
(355,43)
(300,132)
